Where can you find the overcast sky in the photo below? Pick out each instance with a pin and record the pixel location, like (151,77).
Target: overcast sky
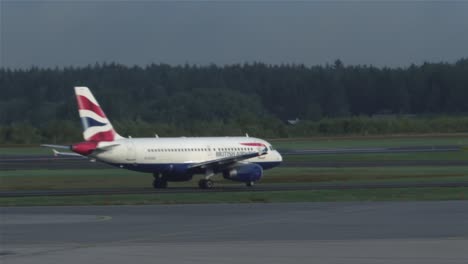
(382,33)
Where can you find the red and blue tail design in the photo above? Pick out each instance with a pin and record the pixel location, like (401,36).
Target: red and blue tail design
(96,126)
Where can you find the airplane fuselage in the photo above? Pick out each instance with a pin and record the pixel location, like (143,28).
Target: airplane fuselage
(176,155)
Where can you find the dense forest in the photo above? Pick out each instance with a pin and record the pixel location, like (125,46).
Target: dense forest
(38,104)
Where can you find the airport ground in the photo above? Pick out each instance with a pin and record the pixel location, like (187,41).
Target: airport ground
(382,207)
(402,165)
(339,232)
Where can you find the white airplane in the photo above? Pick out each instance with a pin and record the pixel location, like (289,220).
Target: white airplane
(241,159)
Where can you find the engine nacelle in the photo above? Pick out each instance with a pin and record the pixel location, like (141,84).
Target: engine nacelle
(244,173)
(177,173)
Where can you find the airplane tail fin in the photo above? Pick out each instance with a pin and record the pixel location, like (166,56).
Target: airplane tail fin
(96,126)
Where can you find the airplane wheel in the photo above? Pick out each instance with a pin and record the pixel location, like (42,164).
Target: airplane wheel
(159,184)
(250,183)
(205,184)
(201,184)
(209,184)
(163,184)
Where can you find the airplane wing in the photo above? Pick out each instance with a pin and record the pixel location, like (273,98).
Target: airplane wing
(224,162)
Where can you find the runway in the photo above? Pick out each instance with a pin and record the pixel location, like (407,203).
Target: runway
(232,188)
(376,232)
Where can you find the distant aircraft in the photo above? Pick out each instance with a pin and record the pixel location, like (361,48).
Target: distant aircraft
(241,159)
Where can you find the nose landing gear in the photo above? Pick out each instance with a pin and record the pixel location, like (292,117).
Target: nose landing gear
(159,182)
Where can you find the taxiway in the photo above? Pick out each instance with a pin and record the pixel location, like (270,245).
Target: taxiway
(374,232)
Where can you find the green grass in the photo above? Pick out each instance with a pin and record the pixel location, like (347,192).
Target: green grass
(396,194)
(116,178)
(370,142)
(24,150)
(415,156)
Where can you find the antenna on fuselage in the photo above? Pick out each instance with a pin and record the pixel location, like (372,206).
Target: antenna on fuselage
(156,136)
(246,135)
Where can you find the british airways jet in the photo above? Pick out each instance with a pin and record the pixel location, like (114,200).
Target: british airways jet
(241,159)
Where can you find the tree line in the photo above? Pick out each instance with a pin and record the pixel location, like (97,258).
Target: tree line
(192,100)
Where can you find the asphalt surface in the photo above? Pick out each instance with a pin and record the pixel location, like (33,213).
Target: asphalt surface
(259,188)
(377,232)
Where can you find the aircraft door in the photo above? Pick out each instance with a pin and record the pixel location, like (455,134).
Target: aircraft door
(131,151)
(210,152)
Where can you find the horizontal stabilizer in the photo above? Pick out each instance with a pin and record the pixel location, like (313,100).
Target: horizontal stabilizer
(57,153)
(55,146)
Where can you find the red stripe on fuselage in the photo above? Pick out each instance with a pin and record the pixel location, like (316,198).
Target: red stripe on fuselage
(85,104)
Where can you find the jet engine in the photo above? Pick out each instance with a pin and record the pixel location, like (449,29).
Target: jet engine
(248,173)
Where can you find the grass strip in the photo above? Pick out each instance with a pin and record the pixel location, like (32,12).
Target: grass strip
(376,157)
(116,178)
(369,142)
(395,194)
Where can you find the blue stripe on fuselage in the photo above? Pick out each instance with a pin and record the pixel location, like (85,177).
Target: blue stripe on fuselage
(175,167)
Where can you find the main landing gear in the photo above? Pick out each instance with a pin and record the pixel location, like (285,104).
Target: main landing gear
(205,184)
(159,182)
(250,184)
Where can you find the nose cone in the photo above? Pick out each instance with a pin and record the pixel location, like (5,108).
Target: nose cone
(279,157)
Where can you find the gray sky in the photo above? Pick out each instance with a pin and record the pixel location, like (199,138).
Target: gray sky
(382,33)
